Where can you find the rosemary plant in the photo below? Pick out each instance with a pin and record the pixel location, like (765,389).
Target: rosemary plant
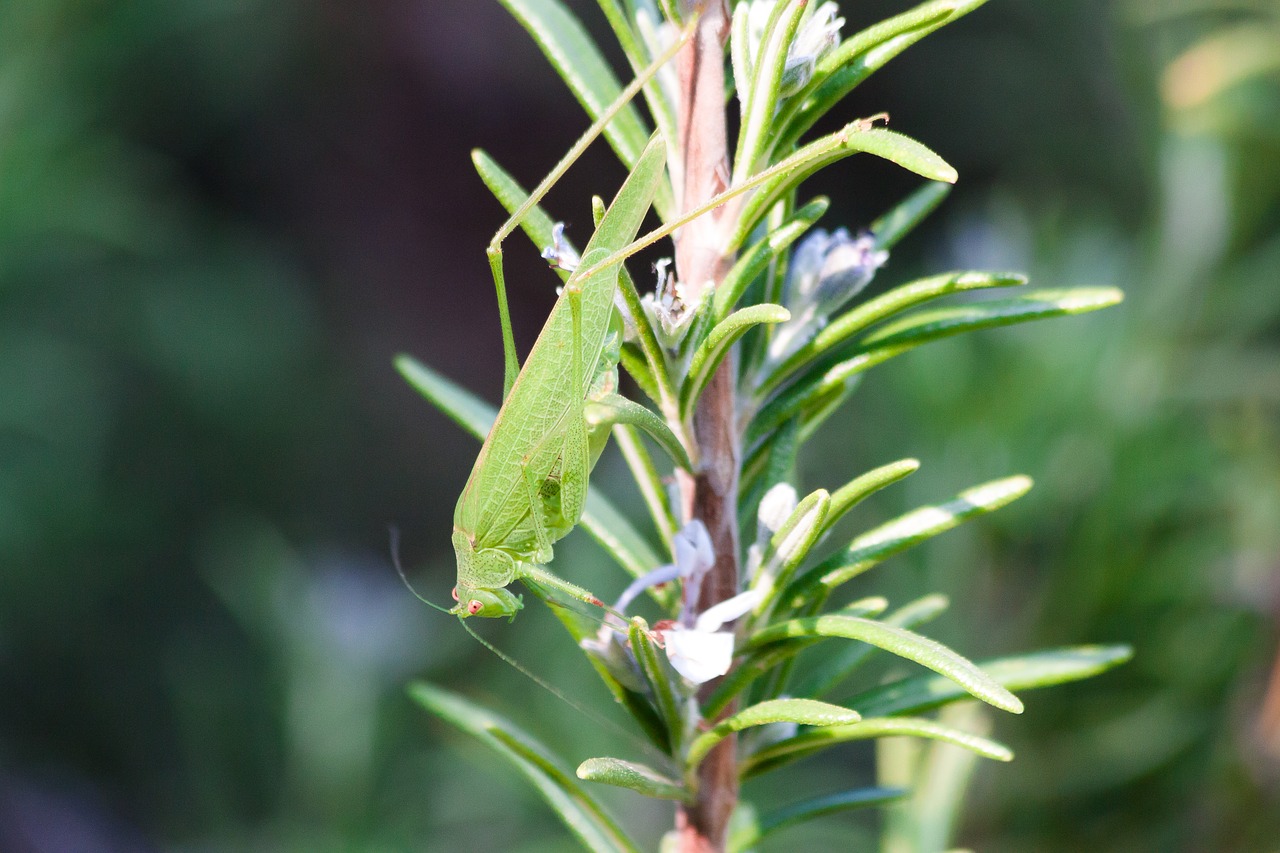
(754,336)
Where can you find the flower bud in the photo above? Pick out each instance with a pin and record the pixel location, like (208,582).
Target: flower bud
(827,270)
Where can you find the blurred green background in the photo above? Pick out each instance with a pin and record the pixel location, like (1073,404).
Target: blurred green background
(220,219)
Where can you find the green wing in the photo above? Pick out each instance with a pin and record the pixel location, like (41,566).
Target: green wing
(494,506)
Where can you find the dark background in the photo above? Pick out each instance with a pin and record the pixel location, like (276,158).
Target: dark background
(220,220)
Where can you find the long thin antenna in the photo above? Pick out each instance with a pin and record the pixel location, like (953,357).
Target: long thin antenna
(394,533)
(555,691)
(545,685)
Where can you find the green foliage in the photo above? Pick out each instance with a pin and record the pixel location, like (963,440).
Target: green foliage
(796,349)
(217,219)
(584,817)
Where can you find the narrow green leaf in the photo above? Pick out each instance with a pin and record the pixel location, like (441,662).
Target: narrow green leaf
(908,213)
(660,387)
(855,491)
(584,817)
(764,89)
(616,409)
(789,546)
(583,68)
(740,59)
(879,309)
(648,481)
(769,464)
(840,664)
(758,663)
(822,406)
(633,360)
(615,533)
(627,774)
(849,58)
(854,138)
(671,11)
(860,56)
(901,533)
(804,712)
(809,399)
(859,798)
(536,223)
(813,740)
(466,410)
(634,35)
(716,346)
(613,674)
(921,326)
(939,779)
(905,644)
(756,259)
(658,673)
(894,339)
(1021,672)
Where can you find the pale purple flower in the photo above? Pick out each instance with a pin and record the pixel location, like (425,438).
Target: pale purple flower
(819,32)
(827,270)
(560,255)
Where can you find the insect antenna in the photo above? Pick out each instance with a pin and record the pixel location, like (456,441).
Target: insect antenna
(394,534)
(596,718)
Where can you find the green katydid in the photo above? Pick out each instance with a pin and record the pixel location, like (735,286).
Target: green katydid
(528,486)
(529,483)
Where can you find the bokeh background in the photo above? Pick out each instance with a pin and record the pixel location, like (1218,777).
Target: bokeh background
(219,221)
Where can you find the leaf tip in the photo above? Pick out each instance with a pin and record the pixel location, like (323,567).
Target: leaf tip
(1083,299)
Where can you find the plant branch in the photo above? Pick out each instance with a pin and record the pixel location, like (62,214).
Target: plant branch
(710,493)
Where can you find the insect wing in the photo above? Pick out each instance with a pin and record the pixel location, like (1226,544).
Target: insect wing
(528,434)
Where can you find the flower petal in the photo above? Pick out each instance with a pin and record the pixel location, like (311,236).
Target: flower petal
(713,618)
(699,656)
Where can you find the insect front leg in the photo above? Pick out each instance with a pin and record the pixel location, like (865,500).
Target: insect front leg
(494,251)
(512,364)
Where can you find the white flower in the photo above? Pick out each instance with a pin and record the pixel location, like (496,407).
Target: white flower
(826,271)
(560,255)
(704,652)
(694,557)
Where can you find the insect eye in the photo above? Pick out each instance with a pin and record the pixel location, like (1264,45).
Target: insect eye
(474,607)
(454,593)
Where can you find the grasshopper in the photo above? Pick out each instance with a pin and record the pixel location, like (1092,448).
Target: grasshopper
(529,483)
(528,486)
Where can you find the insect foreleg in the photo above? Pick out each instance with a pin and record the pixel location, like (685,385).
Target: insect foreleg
(542,577)
(512,364)
(597,127)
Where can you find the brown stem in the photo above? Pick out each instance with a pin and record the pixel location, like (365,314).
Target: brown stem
(711,494)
